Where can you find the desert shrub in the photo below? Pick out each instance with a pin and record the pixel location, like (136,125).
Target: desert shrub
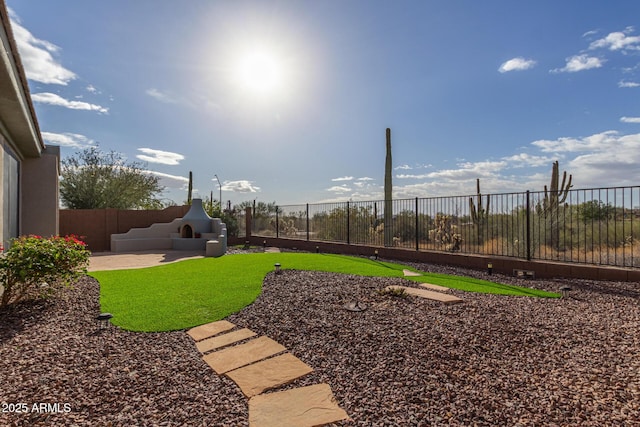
(446,233)
(37,267)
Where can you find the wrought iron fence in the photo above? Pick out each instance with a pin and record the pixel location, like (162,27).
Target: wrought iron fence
(589,226)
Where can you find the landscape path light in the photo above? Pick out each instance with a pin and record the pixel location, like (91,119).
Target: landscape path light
(104,318)
(278,268)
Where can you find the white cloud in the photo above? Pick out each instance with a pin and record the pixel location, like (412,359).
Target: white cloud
(339,189)
(53,99)
(170,181)
(628,84)
(73,140)
(241,186)
(603,159)
(580,63)
(413,176)
(516,64)
(630,119)
(92,89)
(528,160)
(403,167)
(343,178)
(37,56)
(162,96)
(618,40)
(596,142)
(364,182)
(590,33)
(467,170)
(158,156)
(615,163)
(470,170)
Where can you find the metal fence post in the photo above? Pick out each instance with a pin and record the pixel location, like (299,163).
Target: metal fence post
(307,222)
(417,228)
(277,224)
(528,221)
(348,226)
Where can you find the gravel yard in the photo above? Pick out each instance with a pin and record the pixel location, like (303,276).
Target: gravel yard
(493,360)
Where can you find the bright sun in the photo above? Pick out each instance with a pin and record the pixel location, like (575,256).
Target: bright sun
(260,72)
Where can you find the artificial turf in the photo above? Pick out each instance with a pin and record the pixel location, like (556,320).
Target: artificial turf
(196,291)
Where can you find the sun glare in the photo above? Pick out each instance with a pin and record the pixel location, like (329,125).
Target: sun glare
(260,72)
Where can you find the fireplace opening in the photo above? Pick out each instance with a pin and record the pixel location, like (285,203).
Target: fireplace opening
(187,231)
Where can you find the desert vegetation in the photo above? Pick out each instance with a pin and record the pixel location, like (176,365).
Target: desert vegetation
(596,226)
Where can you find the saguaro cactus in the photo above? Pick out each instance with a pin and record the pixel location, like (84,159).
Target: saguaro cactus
(190,191)
(556,195)
(388,203)
(480,214)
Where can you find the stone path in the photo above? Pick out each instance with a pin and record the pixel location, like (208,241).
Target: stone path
(447,299)
(260,364)
(425,293)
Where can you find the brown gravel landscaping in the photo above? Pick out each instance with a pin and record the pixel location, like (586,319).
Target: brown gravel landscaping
(492,360)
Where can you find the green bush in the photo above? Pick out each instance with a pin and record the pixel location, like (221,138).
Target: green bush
(37,267)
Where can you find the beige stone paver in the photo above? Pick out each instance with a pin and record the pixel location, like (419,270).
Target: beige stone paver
(138,259)
(224,339)
(270,373)
(313,405)
(210,329)
(231,358)
(410,273)
(434,287)
(424,293)
(272,249)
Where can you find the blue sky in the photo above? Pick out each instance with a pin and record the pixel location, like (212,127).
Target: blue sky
(288,101)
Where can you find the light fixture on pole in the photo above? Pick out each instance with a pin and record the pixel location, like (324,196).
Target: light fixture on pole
(220,187)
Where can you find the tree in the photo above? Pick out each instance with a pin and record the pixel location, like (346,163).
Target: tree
(595,210)
(92,179)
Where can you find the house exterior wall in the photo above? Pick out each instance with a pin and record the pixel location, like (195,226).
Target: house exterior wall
(9,206)
(39,194)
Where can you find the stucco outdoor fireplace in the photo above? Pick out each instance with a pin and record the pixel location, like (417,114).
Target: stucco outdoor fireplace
(195,231)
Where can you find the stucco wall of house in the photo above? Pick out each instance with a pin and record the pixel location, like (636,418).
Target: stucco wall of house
(39,193)
(9,192)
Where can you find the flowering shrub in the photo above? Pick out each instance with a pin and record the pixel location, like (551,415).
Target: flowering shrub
(36,267)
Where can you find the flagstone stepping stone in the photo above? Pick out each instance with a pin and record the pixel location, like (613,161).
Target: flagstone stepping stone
(210,329)
(434,287)
(424,293)
(218,341)
(231,358)
(410,273)
(272,249)
(313,405)
(270,373)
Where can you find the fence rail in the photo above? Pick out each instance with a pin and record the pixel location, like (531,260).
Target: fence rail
(590,226)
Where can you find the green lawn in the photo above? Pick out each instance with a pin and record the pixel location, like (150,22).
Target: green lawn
(192,292)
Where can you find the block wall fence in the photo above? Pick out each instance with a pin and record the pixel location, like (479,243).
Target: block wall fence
(97,225)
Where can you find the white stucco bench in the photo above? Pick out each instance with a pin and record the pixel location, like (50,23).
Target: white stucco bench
(215,248)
